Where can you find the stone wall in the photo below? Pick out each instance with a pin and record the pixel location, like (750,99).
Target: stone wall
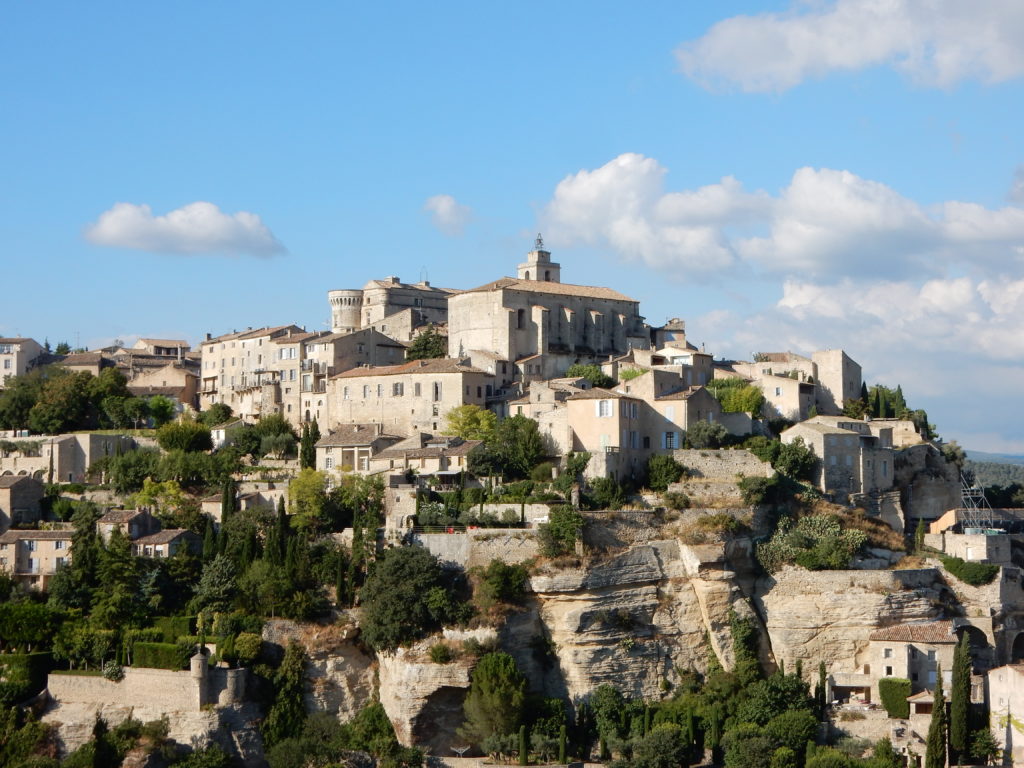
(480,546)
(174,691)
(723,465)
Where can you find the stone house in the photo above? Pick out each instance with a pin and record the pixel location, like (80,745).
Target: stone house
(1005,705)
(852,459)
(167,543)
(17,357)
(349,447)
(62,458)
(177,381)
(539,325)
(31,558)
(133,523)
(267,498)
(20,496)
(176,348)
(406,398)
(442,456)
(545,403)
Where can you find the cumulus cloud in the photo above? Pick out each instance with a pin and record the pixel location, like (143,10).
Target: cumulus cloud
(933,42)
(447,214)
(825,223)
(196,228)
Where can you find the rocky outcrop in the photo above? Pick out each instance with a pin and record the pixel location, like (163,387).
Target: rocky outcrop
(828,615)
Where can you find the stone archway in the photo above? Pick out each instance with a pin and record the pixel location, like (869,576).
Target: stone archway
(1017,649)
(982,651)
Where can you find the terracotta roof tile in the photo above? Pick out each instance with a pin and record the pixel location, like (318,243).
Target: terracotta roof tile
(537,286)
(931,632)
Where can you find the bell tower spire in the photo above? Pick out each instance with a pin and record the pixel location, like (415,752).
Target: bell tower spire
(539,266)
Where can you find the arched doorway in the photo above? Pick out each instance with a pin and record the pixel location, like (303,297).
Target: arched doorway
(1017,650)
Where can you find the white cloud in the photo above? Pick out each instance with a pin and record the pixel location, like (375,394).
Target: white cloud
(825,224)
(1016,194)
(933,42)
(447,214)
(196,228)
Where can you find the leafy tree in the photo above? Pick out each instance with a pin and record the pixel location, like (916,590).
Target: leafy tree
(855,409)
(62,405)
(591,373)
(161,409)
(500,583)
(18,397)
(429,344)
(405,597)
(954,454)
(494,704)
(663,747)
(960,700)
(796,460)
(935,745)
(288,713)
(737,395)
(707,435)
(746,746)
(559,535)
(662,471)
(518,445)
(216,588)
(471,422)
(794,727)
(307,495)
(187,436)
(216,414)
(605,493)
(984,747)
(62,348)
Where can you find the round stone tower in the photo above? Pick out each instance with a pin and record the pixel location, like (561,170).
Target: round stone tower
(346,306)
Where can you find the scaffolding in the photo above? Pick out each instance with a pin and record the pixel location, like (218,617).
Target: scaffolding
(975,511)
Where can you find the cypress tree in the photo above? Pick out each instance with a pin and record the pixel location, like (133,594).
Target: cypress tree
(960,700)
(227,500)
(524,751)
(647,720)
(800,669)
(864,393)
(339,581)
(820,691)
(935,750)
(561,745)
(209,541)
(307,449)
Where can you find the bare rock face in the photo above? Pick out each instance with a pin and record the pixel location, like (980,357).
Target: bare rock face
(340,673)
(828,615)
(629,621)
(423,699)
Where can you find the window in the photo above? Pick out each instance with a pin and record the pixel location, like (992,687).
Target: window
(521,317)
(344,393)
(417,389)
(604,408)
(437,391)
(366,391)
(479,392)
(58,544)
(888,671)
(778,391)
(669,440)
(633,410)
(647,441)
(30,545)
(380,390)
(887,653)
(397,389)
(7,364)
(329,463)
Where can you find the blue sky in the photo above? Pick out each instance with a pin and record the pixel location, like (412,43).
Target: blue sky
(781,175)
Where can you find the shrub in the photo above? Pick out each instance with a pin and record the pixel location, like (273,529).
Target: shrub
(187,436)
(815,542)
(22,675)
(676,500)
(894,691)
(707,434)
(162,655)
(173,627)
(542,472)
(662,471)
(502,583)
(440,653)
(606,493)
(975,574)
(248,646)
(559,535)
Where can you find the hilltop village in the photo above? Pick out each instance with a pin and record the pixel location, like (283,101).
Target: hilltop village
(514,523)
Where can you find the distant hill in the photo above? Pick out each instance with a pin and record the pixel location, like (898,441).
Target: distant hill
(989,473)
(996,458)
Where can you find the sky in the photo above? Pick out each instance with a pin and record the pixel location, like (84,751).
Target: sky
(781,175)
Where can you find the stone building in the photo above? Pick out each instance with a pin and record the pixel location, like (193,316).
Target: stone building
(349,447)
(535,326)
(1005,705)
(236,369)
(20,496)
(176,348)
(440,455)
(167,543)
(31,558)
(61,458)
(133,523)
(354,309)
(853,459)
(406,398)
(17,357)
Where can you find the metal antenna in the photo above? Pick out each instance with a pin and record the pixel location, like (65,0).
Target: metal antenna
(538,244)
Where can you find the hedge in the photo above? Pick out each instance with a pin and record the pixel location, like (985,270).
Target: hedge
(162,655)
(975,574)
(894,692)
(22,675)
(172,627)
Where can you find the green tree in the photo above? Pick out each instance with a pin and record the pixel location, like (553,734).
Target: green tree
(707,435)
(662,471)
(984,747)
(518,445)
(187,436)
(935,745)
(62,405)
(663,747)
(405,596)
(216,414)
(427,345)
(307,496)
(471,422)
(494,704)
(960,701)
(307,451)
(559,535)
(796,460)
(216,589)
(161,409)
(591,373)
(288,713)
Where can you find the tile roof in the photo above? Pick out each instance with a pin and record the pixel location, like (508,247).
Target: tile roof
(165,342)
(352,434)
(930,632)
(564,289)
(13,340)
(683,394)
(438,365)
(295,338)
(165,537)
(596,393)
(462,449)
(12,536)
